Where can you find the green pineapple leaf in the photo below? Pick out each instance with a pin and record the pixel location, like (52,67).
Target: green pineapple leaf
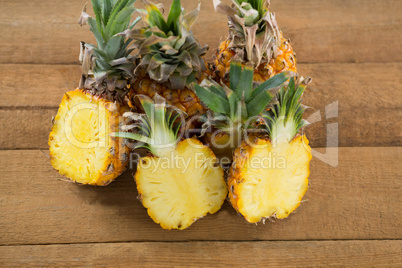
(97,10)
(155,17)
(98,35)
(273,82)
(120,23)
(132,136)
(259,103)
(212,100)
(235,73)
(245,85)
(173,18)
(109,67)
(106,9)
(118,6)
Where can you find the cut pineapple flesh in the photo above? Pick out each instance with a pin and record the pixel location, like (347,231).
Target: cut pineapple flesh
(269,181)
(182,186)
(80,146)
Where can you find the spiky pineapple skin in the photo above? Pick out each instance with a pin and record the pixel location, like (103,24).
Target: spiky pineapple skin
(184,99)
(286,61)
(194,190)
(111,155)
(296,151)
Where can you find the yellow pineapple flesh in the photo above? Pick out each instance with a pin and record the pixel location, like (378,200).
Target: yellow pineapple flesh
(269,181)
(180,187)
(80,146)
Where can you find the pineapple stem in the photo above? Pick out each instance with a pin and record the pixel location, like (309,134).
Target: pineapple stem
(283,130)
(161,137)
(284,120)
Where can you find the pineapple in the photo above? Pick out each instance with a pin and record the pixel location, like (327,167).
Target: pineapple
(80,146)
(235,108)
(171,57)
(269,177)
(254,37)
(181,181)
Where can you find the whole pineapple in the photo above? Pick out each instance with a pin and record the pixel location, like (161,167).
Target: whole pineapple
(254,38)
(234,109)
(171,57)
(269,176)
(181,181)
(80,146)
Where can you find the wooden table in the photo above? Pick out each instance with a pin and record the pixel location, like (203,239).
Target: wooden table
(353,216)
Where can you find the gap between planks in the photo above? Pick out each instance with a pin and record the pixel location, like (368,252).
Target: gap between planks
(195,241)
(290,254)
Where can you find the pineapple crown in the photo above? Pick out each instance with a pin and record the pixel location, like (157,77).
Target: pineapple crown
(156,129)
(284,120)
(242,100)
(170,53)
(253,31)
(108,67)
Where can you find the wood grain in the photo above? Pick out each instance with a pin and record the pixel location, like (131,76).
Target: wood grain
(35,85)
(30,128)
(322,31)
(358,199)
(25,129)
(353,85)
(352,215)
(369,106)
(216,254)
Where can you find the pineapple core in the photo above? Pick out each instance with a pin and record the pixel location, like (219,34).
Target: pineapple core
(80,146)
(271,180)
(181,187)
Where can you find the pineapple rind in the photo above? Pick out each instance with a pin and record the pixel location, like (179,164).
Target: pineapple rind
(94,165)
(176,197)
(184,99)
(285,61)
(259,193)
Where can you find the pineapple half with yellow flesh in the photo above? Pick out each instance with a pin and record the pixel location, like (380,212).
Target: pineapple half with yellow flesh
(269,177)
(80,146)
(171,57)
(235,108)
(181,181)
(254,37)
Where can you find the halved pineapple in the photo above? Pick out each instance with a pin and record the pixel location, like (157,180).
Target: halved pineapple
(80,146)
(269,177)
(236,107)
(181,187)
(269,181)
(182,181)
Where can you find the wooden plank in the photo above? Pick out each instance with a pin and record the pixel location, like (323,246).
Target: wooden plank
(353,85)
(29,129)
(322,31)
(25,129)
(359,199)
(34,85)
(216,254)
(369,106)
